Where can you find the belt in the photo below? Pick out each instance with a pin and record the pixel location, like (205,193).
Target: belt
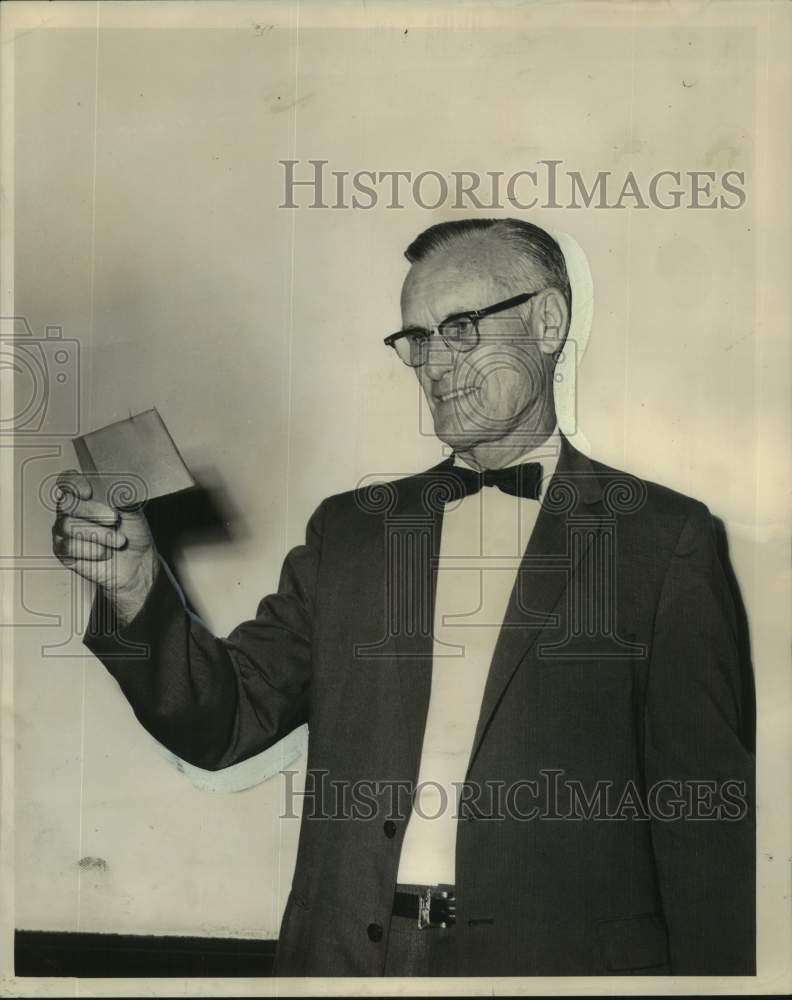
(429,905)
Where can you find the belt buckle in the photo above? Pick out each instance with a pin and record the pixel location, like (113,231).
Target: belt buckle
(425,910)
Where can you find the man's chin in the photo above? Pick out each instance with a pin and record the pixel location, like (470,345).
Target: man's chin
(456,437)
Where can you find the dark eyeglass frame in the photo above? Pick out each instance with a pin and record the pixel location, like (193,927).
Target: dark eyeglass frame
(471,315)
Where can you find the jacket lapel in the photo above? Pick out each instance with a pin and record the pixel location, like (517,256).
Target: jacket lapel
(413,551)
(544,573)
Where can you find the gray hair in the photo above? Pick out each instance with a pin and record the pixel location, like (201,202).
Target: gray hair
(533,244)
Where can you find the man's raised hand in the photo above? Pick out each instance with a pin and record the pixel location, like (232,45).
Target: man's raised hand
(111,547)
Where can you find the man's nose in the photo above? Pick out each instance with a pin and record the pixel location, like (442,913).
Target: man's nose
(438,358)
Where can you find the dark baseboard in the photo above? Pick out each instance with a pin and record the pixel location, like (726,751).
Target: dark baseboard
(127,956)
(91,956)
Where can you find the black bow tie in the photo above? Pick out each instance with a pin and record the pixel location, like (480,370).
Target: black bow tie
(519,480)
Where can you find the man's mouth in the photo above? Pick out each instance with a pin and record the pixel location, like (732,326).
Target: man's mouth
(456,393)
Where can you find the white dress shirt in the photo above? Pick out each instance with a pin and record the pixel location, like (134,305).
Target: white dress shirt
(483,539)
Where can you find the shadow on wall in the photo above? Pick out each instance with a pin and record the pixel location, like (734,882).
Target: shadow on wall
(204,514)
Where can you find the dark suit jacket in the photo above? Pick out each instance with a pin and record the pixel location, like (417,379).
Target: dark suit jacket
(615,680)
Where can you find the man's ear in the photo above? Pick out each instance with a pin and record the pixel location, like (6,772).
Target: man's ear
(550,321)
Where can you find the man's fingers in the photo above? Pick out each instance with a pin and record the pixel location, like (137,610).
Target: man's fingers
(70,549)
(92,510)
(69,527)
(72,483)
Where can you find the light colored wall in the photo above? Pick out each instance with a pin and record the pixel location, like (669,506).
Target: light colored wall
(147,186)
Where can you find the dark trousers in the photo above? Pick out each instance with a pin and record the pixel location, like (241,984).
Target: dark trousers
(414,952)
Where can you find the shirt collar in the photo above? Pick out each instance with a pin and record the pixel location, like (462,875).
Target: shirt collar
(546,454)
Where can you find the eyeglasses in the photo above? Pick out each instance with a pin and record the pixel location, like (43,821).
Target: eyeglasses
(459,332)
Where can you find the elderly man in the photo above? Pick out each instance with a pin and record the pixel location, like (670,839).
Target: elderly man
(519,669)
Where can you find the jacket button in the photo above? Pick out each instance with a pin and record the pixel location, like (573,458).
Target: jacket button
(375,932)
(389,827)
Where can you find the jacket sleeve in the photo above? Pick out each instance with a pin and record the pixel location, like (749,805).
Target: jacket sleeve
(704,845)
(211,701)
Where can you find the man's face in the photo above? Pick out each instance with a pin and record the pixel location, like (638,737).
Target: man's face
(500,385)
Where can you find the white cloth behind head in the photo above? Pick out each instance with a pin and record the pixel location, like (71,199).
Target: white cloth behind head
(565,386)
